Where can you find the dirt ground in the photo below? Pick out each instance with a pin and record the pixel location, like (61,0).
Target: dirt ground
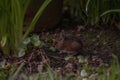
(68,48)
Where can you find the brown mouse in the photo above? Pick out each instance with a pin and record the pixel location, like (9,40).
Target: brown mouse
(69,44)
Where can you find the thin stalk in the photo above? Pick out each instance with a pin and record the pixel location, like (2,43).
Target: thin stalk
(35,19)
(87,5)
(109,11)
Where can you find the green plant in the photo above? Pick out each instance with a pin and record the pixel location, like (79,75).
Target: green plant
(15,72)
(102,73)
(94,11)
(12,13)
(4,73)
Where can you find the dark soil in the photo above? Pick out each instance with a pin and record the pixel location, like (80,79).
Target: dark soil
(98,45)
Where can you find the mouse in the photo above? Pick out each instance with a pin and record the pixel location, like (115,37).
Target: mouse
(69,44)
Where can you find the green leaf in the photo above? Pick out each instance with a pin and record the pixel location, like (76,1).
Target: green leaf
(3,41)
(53,49)
(26,41)
(49,40)
(37,16)
(35,40)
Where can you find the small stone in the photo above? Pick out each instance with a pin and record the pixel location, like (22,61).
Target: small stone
(83,73)
(40,67)
(84,79)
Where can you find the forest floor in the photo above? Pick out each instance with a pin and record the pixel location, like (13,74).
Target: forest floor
(96,47)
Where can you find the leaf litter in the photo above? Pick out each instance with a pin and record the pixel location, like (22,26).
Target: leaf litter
(95,49)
